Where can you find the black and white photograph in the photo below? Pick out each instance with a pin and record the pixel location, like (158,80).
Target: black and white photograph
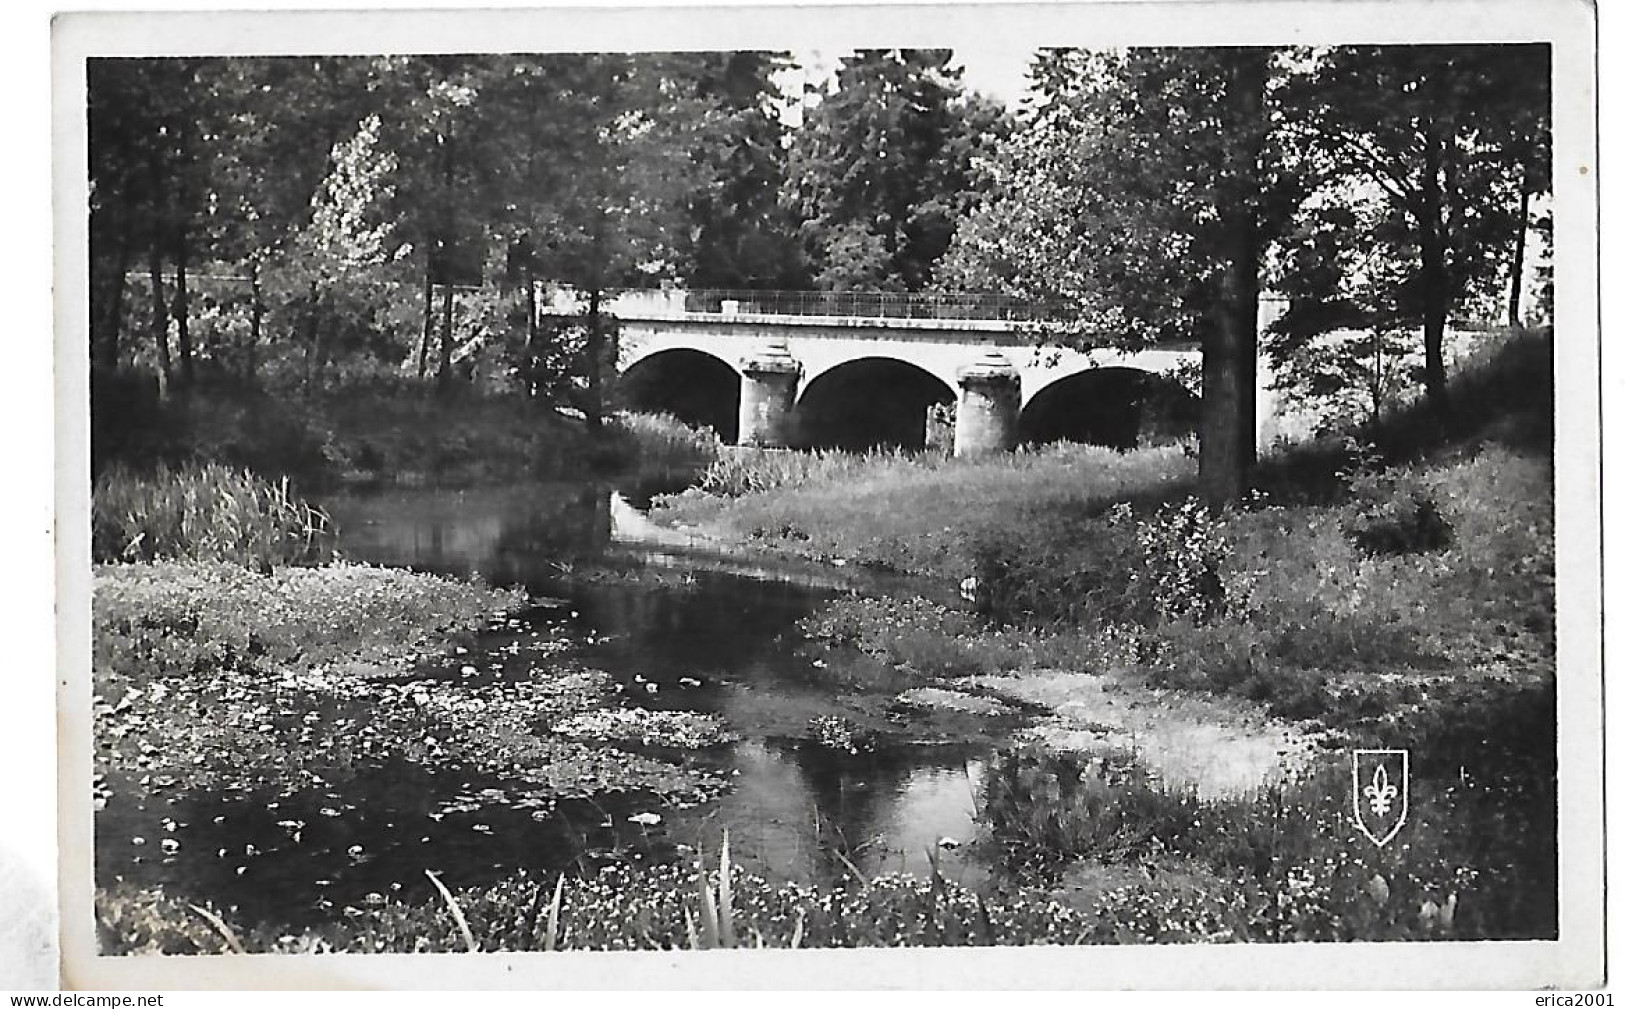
(670,482)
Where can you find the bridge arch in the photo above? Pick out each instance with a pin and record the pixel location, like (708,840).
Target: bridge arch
(698,388)
(868,402)
(1118,406)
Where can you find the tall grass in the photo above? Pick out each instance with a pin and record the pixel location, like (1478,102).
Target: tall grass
(918,513)
(203,512)
(741,471)
(661,441)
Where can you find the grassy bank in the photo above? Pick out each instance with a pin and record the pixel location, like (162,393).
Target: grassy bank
(892,511)
(1369,585)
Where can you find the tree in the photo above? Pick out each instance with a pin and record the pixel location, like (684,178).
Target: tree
(1137,199)
(269,127)
(880,171)
(1457,140)
(600,178)
(437,125)
(739,233)
(118,132)
(339,267)
(145,195)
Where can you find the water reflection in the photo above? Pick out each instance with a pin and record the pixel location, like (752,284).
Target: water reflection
(510,535)
(708,640)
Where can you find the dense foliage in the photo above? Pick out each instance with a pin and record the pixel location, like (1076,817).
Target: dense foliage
(311,222)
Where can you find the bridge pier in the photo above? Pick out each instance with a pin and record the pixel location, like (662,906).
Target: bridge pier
(767,395)
(989,407)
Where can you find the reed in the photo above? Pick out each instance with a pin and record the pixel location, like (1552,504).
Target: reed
(661,441)
(204,512)
(737,472)
(456,912)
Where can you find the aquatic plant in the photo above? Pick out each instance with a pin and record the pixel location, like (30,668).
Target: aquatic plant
(833,732)
(210,676)
(203,512)
(646,727)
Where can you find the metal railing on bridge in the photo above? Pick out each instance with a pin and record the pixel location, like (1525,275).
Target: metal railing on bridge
(869,305)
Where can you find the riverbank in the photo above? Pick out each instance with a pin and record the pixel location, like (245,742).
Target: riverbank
(379,436)
(1374,588)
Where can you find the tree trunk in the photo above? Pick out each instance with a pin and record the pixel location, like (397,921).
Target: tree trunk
(110,321)
(1435,277)
(428,319)
(530,336)
(160,315)
(313,337)
(1230,345)
(1376,377)
(1219,465)
(1241,310)
(1515,297)
(595,360)
(256,321)
(183,333)
(443,375)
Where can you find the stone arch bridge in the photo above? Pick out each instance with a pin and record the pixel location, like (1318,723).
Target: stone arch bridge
(821,379)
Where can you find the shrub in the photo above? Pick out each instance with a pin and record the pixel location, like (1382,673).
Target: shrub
(1056,570)
(1396,515)
(1182,549)
(206,512)
(1479,838)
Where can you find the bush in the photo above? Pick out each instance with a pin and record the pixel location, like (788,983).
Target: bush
(1107,570)
(203,512)
(1479,839)
(1056,570)
(1182,549)
(1396,516)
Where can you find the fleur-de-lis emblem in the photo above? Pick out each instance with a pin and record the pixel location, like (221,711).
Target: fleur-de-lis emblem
(1380,791)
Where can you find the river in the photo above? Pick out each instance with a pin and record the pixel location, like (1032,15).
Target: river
(709,632)
(716,620)
(680,624)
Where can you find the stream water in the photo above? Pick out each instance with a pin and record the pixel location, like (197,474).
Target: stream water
(709,633)
(725,624)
